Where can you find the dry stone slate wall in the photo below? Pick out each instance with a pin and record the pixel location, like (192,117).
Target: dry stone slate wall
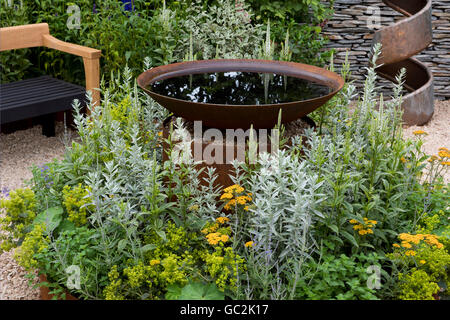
(352,28)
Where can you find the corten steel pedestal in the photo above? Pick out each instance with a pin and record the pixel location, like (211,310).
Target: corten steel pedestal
(224,170)
(400,42)
(45,291)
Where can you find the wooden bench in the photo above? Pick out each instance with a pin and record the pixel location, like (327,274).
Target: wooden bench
(44,96)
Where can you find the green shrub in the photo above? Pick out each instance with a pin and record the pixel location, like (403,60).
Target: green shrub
(14,63)
(20,211)
(127,38)
(304,20)
(420,261)
(220,31)
(176,257)
(417,285)
(338,277)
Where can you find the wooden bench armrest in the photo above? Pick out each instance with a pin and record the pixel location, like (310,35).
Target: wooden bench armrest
(36,35)
(91,60)
(75,49)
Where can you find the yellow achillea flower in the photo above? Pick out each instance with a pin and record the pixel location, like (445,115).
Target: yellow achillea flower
(422,261)
(353,221)
(364,232)
(358,227)
(154,262)
(222,220)
(249,244)
(243,199)
(402,159)
(396,245)
(234,188)
(232,191)
(419,132)
(224,238)
(160,134)
(445,163)
(226,196)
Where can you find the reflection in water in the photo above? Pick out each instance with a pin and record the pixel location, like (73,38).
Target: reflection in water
(239,88)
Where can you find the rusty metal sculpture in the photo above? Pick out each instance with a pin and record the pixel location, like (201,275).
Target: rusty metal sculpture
(400,42)
(241,116)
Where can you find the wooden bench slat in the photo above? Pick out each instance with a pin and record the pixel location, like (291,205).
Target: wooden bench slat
(37,109)
(37,97)
(37,93)
(23,85)
(19,104)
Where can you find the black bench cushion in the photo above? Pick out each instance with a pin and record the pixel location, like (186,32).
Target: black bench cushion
(36,97)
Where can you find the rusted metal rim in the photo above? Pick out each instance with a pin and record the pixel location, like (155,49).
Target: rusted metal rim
(409,36)
(401,41)
(241,116)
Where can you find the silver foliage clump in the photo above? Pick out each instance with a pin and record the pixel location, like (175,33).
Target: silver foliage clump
(223,31)
(280,223)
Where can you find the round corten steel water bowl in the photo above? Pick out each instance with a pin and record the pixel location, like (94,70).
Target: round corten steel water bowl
(241,116)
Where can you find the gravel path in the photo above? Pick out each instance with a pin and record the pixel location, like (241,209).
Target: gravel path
(437,129)
(18,152)
(21,149)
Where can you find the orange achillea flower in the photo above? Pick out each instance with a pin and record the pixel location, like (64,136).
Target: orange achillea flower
(230,204)
(365,227)
(410,253)
(444,154)
(419,132)
(216,237)
(249,244)
(409,239)
(406,245)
